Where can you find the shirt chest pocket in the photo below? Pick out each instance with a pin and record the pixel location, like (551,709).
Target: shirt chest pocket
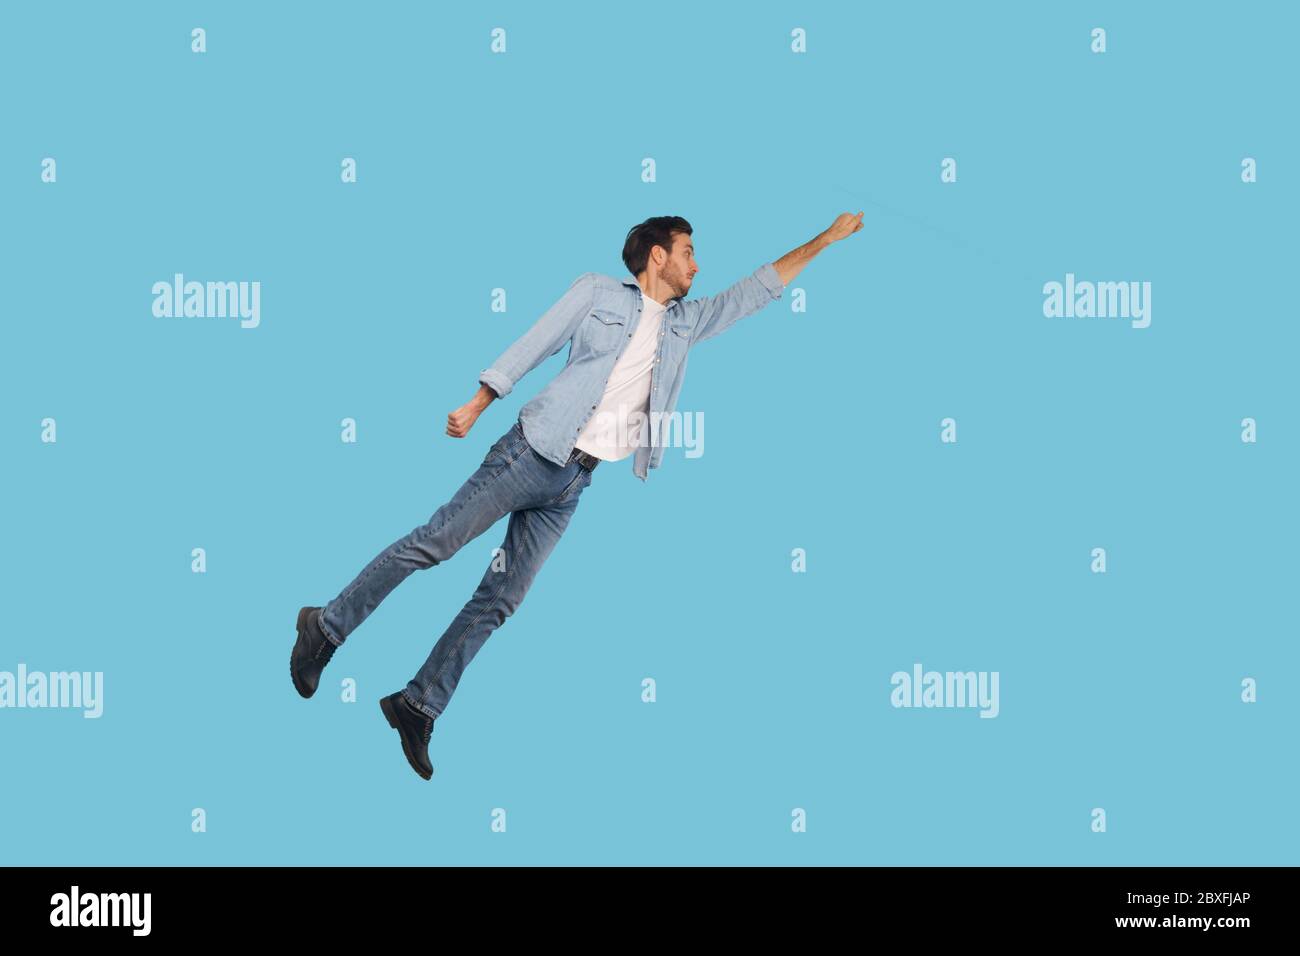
(679,338)
(602,331)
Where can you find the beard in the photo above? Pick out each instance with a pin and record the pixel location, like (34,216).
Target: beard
(677,280)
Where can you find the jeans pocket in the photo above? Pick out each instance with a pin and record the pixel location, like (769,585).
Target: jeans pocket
(519,444)
(499,448)
(575,483)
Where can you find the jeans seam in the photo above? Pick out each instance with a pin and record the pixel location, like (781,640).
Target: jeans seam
(460,638)
(568,488)
(398,550)
(511,453)
(420,705)
(523,439)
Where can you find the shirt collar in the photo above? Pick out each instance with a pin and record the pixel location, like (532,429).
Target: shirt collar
(631,280)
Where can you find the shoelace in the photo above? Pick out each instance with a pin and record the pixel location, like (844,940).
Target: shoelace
(325,652)
(427,730)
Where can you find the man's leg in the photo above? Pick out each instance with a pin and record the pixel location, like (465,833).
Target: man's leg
(531,536)
(489,493)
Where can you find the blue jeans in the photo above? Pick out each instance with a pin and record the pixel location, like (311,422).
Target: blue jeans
(540,497)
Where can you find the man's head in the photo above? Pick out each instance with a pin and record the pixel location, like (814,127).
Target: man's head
(662,246)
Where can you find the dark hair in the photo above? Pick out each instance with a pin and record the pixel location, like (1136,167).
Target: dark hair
(655,231)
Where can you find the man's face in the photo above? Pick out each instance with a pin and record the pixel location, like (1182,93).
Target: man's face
(679,271)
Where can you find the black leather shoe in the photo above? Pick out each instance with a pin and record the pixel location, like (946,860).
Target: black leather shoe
(415,726)
(311,652)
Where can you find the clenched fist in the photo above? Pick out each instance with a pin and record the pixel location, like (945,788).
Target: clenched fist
(845,225)
(462,420)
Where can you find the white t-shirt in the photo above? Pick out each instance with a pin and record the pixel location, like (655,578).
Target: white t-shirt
(607,434)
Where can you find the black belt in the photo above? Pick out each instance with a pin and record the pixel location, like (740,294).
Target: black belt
(582,458)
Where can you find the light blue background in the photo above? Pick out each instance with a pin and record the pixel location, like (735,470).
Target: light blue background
(822,431)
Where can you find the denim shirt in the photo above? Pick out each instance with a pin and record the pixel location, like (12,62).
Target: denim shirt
(597,317)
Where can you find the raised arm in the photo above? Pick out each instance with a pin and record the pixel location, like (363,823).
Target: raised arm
(713,315)
(792,263)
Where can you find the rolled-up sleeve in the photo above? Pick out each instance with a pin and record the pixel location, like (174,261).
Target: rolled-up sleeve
(546,337)
(715,314)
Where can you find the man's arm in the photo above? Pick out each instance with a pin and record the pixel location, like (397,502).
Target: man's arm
(546,337)
(462,419)
(792,263)
(715,314)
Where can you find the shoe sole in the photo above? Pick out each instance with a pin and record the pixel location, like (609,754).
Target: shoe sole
(293,673)
(386,706)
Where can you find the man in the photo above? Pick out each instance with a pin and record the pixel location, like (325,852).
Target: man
(628,341)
